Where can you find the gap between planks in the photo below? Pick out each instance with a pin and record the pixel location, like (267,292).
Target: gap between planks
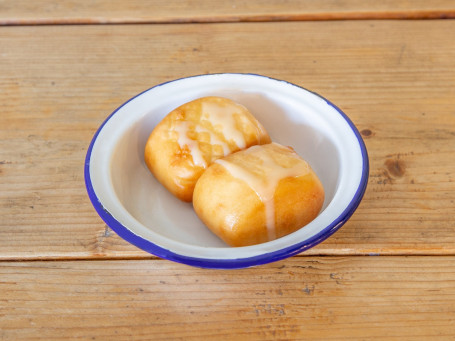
(155,258)
(323,16)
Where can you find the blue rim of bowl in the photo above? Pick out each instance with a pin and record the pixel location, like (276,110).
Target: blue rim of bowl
(235,263)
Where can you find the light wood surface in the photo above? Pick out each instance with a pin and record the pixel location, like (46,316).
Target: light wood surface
(45,12)
(59,85)
(323,298)
(65,275)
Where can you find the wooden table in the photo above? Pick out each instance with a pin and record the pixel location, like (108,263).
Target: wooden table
(388,274)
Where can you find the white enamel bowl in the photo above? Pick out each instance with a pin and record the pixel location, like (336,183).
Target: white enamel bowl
(140,210)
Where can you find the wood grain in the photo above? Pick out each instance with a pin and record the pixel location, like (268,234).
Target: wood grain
(394,79)
(47,12)
(317,298)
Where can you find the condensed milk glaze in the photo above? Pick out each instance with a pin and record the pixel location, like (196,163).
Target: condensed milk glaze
(182,129)
(223,118)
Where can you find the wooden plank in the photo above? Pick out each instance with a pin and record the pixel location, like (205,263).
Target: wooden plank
(362,298)
(395,80)
(23,12)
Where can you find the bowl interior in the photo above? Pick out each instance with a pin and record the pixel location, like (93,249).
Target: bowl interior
(292,116)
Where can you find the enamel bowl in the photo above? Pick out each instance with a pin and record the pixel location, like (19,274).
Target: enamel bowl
(140,210)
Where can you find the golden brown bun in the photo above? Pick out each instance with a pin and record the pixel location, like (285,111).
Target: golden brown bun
(194,135)
(225,200)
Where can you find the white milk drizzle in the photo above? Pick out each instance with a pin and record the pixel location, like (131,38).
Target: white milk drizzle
(182,129)
(214,140)
(223,116)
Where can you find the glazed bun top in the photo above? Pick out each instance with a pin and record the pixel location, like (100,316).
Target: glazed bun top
(262,168)
(258,195)
(194,135)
